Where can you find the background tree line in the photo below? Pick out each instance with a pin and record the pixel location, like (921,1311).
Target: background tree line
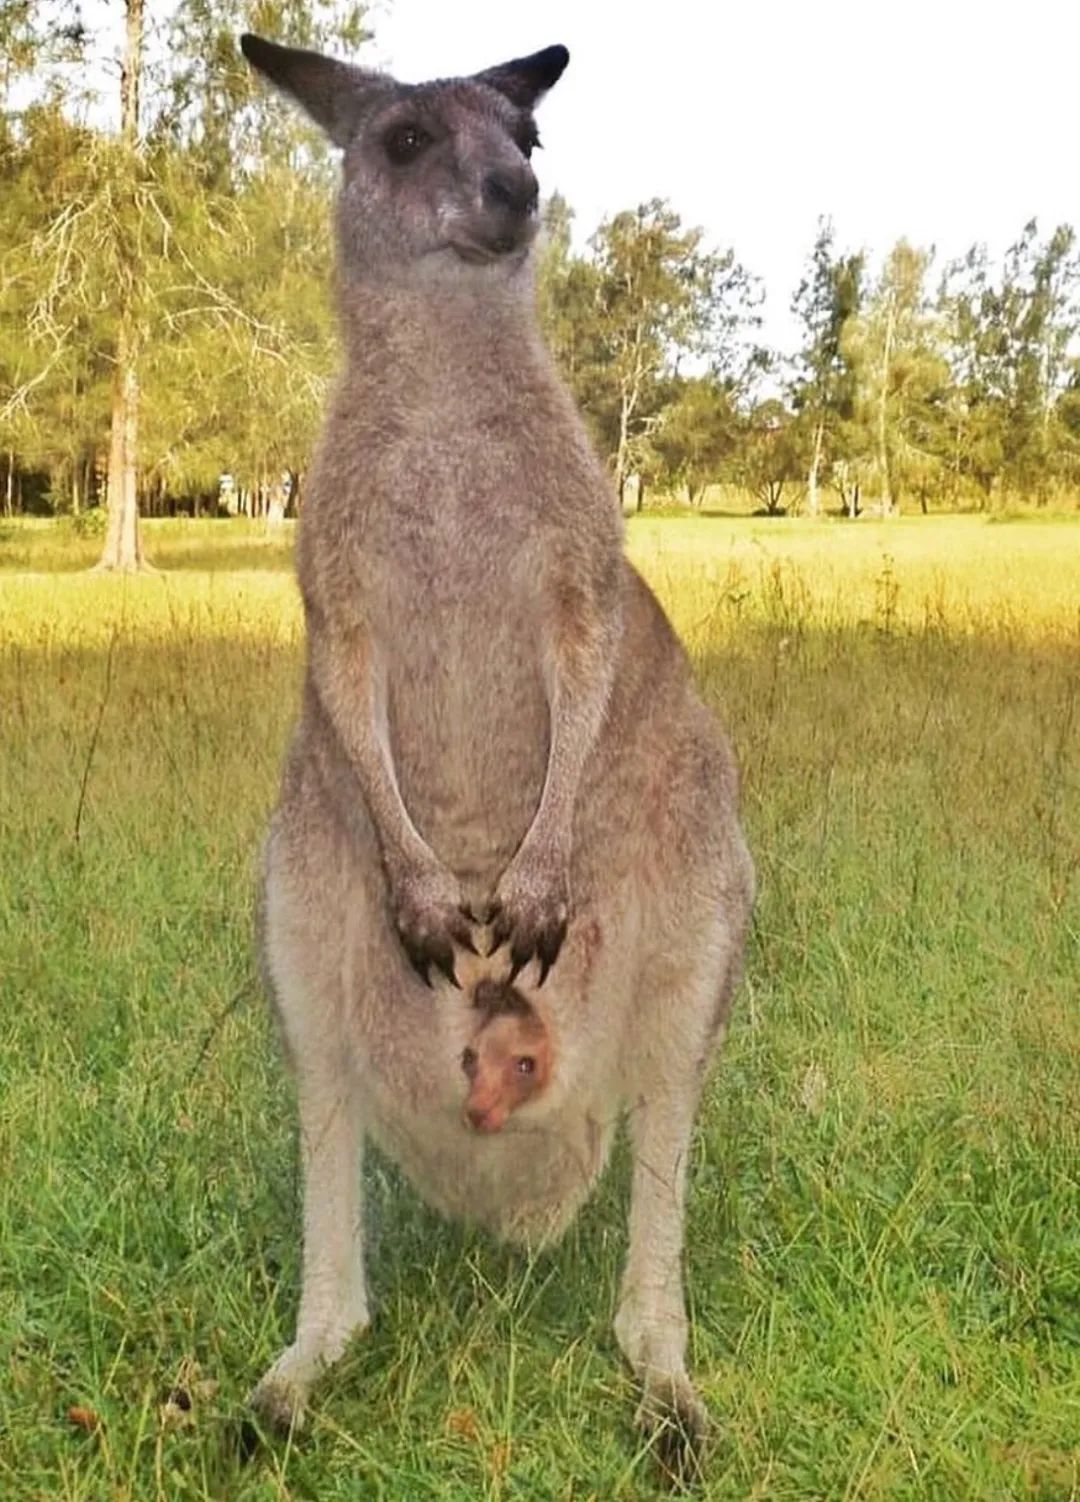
(165,316)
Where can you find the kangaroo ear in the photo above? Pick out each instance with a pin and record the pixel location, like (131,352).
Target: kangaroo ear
(333,93)
(525,79)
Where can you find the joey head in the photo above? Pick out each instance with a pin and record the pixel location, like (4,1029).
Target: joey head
(508,1059)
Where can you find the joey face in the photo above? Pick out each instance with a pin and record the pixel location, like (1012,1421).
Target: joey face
(437,180)
(507,1064)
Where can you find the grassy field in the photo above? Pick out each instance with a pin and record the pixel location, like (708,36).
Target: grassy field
(884,1225)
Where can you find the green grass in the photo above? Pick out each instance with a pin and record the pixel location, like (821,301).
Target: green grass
(884,1224)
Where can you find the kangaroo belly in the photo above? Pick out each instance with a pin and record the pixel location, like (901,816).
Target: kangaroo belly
(524,1183)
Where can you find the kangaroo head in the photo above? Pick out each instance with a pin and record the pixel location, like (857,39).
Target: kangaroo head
(437,178)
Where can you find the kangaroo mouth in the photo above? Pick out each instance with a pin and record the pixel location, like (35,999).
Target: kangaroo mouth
(475,253)
(485,250)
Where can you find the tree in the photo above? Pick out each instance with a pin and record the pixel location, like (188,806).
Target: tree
(769,458)
(1067,425)
(1009,345)
(697,432)
(186,260)
(658,297)
(971,315)
(824,390)
(55,296)
(1041,304)
(895,347)
(123,545)
(568,304)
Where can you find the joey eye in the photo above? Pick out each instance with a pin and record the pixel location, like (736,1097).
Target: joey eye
(468,1060)
(404,143)
(525,1065)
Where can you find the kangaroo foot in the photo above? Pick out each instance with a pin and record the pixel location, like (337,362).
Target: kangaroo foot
(673,1416)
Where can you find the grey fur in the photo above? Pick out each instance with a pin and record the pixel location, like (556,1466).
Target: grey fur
(499,745)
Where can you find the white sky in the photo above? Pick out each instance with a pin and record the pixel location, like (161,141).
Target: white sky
(948,121)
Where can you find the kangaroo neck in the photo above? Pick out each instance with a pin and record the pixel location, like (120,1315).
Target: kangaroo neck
(418,338)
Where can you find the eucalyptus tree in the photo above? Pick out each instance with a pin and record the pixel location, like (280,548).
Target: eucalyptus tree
(825,388)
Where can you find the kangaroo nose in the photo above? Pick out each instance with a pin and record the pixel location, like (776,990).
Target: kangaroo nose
(518,191)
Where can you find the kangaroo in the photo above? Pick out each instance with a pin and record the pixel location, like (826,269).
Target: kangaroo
(508,1059)
(499,739)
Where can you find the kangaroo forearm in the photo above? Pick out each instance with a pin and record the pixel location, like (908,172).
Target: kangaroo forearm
(579,668)
(577,713)
(347,683)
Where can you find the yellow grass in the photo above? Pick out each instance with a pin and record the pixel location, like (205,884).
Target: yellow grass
(961,575)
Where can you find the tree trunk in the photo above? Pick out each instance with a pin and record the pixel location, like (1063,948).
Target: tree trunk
(813,499)
(622,452)
(9,489)
(629,395)
(123,546)
(883,398)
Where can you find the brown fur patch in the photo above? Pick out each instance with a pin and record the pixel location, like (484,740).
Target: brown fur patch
(496,997)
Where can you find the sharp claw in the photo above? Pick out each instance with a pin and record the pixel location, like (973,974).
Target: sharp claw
(443,960)
(464,938)
(519,958)
(548,950)
(419,963)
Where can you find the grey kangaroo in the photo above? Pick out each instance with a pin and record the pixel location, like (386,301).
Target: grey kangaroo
(502,768)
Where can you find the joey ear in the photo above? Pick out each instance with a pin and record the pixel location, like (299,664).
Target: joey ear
(334,94)
(525,79)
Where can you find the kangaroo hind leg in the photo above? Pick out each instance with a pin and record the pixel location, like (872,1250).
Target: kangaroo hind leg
(305,961)
(651,1323)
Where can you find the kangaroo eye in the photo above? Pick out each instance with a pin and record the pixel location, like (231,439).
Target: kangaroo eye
(526,1064)
(405,143)
(468,1060)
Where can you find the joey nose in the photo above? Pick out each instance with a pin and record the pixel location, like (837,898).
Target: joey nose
(517,191)
(481,1120)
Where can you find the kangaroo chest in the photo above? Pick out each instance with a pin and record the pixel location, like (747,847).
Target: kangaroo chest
(453,593)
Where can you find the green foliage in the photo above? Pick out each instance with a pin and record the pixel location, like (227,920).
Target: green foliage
(212,241)
(1012,353)
(769,457)
(698,432)
(620,320)
(825,390)
(897,353)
